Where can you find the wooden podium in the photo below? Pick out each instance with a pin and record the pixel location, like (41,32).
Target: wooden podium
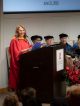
(43,69)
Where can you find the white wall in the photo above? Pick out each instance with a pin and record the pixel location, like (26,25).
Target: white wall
(3,74)
(42,24)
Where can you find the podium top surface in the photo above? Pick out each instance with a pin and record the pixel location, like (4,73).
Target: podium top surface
(45,49)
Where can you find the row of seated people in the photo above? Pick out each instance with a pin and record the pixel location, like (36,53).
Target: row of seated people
(72,50)
(28,98)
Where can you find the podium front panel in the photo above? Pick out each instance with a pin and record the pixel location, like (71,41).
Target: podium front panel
(38,70)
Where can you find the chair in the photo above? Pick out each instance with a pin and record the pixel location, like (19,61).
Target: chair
(8,59)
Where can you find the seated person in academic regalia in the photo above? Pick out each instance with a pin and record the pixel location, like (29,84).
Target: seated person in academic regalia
(66,45)
(76,46)
(36,39)
(49,40)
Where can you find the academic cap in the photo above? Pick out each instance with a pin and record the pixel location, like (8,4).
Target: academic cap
(48,37)
(35,37)
(63,35)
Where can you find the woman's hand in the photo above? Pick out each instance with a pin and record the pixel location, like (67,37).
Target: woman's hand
(25,50)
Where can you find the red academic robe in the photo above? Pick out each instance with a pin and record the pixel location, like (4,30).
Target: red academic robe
(16,46)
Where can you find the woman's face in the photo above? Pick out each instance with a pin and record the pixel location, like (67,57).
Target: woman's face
(21,31)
